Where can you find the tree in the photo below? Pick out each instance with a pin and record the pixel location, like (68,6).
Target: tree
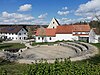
(29,33)
(42,33)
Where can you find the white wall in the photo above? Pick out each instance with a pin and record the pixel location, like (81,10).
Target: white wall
(61,37)
(15,36)
(92,36)
(22,31)
(46,39)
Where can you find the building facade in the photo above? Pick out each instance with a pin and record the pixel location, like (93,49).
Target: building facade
(14,33)
(63,32)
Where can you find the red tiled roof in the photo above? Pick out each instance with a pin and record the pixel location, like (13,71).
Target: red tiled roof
(81,28)
(64,29)
(45,32)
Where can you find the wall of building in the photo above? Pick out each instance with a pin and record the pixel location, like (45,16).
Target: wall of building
(23,35)
(45,39)
(16,36)
(61,37)
(92,37)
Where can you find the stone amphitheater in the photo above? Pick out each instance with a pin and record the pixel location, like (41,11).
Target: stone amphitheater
(73,50)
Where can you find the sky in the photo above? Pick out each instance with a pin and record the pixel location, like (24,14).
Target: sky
(42,11)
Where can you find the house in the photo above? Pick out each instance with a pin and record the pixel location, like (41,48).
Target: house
(14,32)
(55,32)
(94,36)
(45,35)
(81,32)
(64,32)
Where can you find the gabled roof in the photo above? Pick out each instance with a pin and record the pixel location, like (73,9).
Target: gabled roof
(45,32)
(56,21)
(81,28)
(10,29)
(64,29)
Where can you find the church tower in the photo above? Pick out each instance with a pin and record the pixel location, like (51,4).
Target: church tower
(53,24)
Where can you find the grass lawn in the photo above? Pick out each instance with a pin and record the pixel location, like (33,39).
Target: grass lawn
(19,69)
(11,45)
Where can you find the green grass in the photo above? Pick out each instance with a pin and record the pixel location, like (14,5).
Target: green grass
(11,45)
(85,67)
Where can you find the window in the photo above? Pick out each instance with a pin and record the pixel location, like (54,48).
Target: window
(19,37)
(50,38)
(53,27)
(19,33)
(87,32)
(24,33)
(53,22)
(22,29)
(38,38)
(9,37)
(76,32)
(12,37)
(42,38)
(24,38)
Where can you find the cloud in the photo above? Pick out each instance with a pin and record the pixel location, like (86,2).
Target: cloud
(72,21)
(40,22)
(64,8)
(89,9)
(66,21)
(62,13)
(25,7)
(15,17)
(42,16)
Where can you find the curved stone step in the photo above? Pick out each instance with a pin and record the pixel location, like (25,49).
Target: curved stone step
(70,43)
(77,50)
(83,48)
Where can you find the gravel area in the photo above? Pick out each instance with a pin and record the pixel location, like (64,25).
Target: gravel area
(48,52)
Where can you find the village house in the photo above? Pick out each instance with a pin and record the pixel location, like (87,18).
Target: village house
(94,36)
(55,32)
(13,33)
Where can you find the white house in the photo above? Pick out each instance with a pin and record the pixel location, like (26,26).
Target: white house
(45,35)
(94,36)
(14,32)
(62,32)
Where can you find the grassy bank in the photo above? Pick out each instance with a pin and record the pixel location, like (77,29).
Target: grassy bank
(11,45)
(86,67)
